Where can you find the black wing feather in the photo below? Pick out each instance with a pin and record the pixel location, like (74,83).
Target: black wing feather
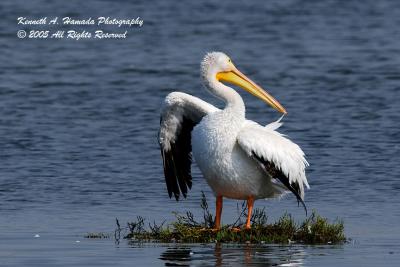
(277,173)
(177,161)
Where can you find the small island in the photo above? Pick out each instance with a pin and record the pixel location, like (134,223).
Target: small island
(315,229)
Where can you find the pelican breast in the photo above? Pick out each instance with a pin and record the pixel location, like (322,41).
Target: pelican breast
(228,170)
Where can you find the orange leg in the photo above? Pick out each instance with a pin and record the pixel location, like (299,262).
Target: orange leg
(250,204)
(218,213)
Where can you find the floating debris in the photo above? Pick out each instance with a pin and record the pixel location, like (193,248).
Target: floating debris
(96,235)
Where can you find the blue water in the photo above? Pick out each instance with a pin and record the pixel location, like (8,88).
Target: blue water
(79,121)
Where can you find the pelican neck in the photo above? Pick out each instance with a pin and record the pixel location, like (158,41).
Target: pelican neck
(233,101)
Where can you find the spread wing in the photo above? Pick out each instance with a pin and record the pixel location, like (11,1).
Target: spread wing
(180,113)
(280,158)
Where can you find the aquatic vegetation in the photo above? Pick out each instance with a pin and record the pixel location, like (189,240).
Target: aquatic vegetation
(313,230)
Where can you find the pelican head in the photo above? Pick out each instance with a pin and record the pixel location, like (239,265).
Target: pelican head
(217,67)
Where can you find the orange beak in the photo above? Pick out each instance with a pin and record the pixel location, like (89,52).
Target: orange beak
(236,77)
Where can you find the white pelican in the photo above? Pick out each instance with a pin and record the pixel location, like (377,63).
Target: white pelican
(239,158)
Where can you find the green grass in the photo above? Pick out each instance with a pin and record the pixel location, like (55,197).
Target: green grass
(313,230)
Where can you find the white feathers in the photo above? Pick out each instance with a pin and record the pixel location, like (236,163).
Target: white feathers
(212,62)
(177,107)
(275,124)
(267,143)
